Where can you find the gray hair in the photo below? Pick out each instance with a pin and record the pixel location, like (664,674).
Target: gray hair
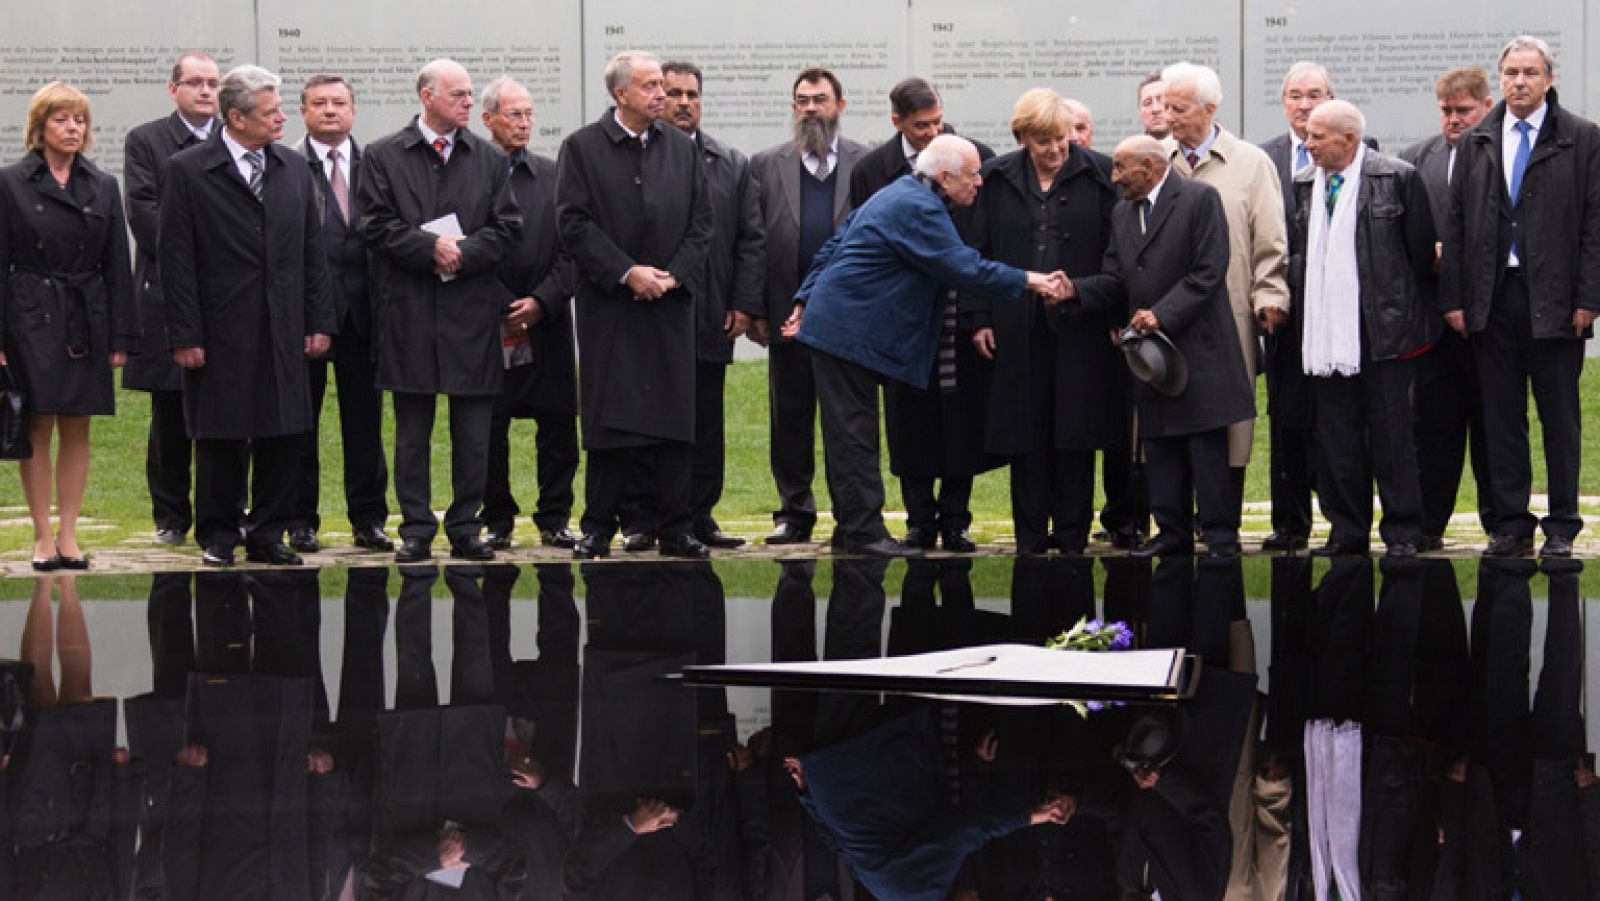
(1079,110)
(240,87)
(620,70)
(428,75)
(1144,149)
(493,90)
(1528,42)
(945,153)
(1300,70)
(1207,86)
(1341,116)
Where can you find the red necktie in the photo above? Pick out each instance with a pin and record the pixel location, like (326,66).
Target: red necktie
(1193,158)
(440,144)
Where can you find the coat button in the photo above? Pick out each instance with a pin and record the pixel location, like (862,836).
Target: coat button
(638,180)
(38,208)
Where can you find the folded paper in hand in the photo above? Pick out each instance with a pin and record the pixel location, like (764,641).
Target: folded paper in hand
(447,226)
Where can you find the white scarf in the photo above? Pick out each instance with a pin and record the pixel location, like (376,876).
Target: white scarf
(1331,342)
(1333,807)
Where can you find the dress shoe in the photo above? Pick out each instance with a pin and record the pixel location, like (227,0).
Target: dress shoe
(1400,550)
(1222,549)
(82,562)
(498,539)
(591,547)
(686,546)
(413,550)
(715,537)
(634,542)
(958,542)
(1554,546)
(1284,541)
(304,541)
(1033,547)
(471,548)
(217,555)
(561,537)
(1102,536)
(1339,549)
(789,533)
(1508,546)
(885,547)
(1127,539)
(277,554)
(1162,546)
(372,538)
(1430,543)
(169,537)
(47,564)
(921,538)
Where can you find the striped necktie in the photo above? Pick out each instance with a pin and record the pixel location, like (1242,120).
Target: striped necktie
(258,165)
(1335,182)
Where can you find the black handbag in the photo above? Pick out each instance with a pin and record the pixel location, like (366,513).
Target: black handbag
(13,420)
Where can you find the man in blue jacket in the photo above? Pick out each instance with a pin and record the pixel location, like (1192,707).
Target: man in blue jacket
(870,309)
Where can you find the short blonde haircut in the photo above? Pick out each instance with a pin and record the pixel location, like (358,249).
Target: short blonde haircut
(49,100)
(1041,111)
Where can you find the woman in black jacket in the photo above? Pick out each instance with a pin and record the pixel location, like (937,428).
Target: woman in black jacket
(1056,387)
(66,307)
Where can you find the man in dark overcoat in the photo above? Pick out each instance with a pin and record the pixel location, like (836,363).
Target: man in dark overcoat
(805,195)
(246,290)
(438,216)
(1449,405)
(168,451)
(328,106)
(635,215)
(1166,268)
(541,379)
(930,431)
(1363,273)
(1520,278)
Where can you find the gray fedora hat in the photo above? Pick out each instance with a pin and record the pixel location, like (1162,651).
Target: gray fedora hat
(1154,360)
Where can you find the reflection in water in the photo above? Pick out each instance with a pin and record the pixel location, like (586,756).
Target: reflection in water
(1418,732)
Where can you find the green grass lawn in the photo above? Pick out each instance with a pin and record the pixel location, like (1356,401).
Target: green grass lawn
(118,507)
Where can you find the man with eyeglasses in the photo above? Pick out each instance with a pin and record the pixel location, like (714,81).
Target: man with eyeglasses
(871,310)
(168,451)
(436,211)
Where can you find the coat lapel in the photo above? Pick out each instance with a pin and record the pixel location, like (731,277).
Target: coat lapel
(1170,196)
(789,180)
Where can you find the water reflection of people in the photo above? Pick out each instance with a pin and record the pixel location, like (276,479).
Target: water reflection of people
(68,796)
(155,719)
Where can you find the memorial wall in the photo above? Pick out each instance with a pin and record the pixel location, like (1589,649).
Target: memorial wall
(980,53)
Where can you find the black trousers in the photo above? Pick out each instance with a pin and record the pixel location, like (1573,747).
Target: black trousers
(167,459)
(366,475)
(222,469)
(710,444)
(1052,490)
(941,508)
(1293,472)
(1364,432)
(611,476)
(792,418)
(848,397)
(1186,473)
(1509,359)
(1449,426)
(555,447)
(469,461)
(1127,508)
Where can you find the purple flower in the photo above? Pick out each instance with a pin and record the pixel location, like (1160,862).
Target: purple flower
(1122,641)
(1094,706)
(1094,626)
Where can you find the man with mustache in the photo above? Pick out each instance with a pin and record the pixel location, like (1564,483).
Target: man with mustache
(805,194)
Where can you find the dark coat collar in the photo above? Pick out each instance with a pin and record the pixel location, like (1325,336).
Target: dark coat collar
(1017,168)
(178,129)
(618,134)
(37,171)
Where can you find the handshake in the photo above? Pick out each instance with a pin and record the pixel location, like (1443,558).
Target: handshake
(1054,288)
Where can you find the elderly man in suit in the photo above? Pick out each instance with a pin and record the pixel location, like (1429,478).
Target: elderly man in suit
(245,285)
(328,107)
(871,309)
(804,192)
(541,380)
(1166,268)
(1364,253)
(438,217)
(1252,198)
(931,434)
(634,212)
(1449,405)
(193,86)
(1520,277)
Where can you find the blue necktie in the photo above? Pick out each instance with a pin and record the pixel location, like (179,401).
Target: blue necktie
(1301,158)
(1335,182)
(1519,164)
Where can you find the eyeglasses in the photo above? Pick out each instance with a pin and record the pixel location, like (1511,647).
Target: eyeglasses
(518,115)
(459,96)
(198,83)
(805,100)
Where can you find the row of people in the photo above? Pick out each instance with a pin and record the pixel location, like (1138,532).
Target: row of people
(423,278)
